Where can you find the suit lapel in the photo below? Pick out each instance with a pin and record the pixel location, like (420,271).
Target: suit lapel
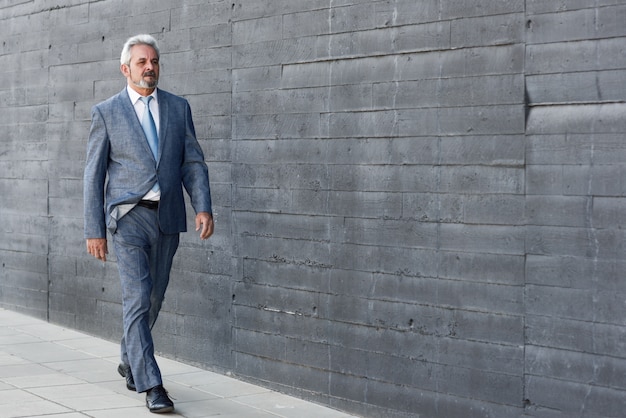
(133,121)
(163,120)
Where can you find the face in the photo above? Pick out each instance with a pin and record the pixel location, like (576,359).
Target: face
(143,72)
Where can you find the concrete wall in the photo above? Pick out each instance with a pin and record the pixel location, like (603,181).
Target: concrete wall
(419,204)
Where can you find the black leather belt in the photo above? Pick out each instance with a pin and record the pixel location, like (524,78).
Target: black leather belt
(150,204)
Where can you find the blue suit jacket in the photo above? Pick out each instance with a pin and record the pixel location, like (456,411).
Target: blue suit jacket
(118,148)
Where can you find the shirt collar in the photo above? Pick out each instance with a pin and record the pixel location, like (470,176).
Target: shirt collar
(134,96)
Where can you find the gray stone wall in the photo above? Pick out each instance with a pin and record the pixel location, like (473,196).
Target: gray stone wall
(419,204)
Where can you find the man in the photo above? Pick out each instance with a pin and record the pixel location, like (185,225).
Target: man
(142,150)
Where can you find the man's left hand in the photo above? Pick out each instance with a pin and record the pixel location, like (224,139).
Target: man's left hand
(204,224)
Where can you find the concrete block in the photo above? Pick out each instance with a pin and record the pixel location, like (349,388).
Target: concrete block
(382,124)
(567,149)
(403,12)
(608,212)
(391,315)
(491,239)
(459,407)
(214,127)
(281,300)
(281,101)
(458,8)
(310,176)
(479,267)
(373,69)
(564,303)
(538,6)
(306,353)
(559,364)
(584,55)
(498,209)
(407,399)
(358,204)
(309,74)
(259,344)
(495,358)
(590,22)
(15,191)
(268,200)
(304,151)
(503,29)
(310,379)
(258,30)
(197,15)
(489,60)
(216,81)
(27,280)
(302,277)
(197,260)
(286,51)
(260,78)
(599,180)
(610,21)
(309,23)
(389,178)
(482,297)
(61,149)
(477,384)
(481,179)
(397,151)
(607,401)
(486,326)
(350,97)
(475,120)
(271,322)
(23,115)
(559,241)
(572,272)
(544,180)
(276,126)
(505,150)
(561,26)
(576,335)
(406,261)
(467,91)
(352,18)
(384,41)
(571,211)
(213,36)
(432,207)
(575,87)
(283,226)
(64,206)
(401,233)
(255,8)
(289,251)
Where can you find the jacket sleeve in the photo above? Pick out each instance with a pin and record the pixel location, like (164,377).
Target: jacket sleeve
(95,176)
(195,174)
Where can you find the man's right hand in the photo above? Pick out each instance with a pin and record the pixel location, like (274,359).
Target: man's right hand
(98,248)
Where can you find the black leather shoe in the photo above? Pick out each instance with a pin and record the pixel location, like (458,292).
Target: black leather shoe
(124,371)
(158,401)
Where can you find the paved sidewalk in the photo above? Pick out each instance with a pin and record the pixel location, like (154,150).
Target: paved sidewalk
(49,371)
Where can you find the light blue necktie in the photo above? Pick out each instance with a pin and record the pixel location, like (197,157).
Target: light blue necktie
(149,128)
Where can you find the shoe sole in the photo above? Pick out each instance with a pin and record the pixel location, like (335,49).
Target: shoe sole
(161,410)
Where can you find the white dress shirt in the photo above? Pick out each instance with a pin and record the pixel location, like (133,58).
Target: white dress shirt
(139,109)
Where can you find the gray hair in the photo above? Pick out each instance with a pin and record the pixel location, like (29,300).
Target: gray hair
(137,40)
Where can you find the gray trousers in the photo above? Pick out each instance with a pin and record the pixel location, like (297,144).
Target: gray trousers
(144,259)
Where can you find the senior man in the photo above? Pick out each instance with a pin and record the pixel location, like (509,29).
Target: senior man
(142,150)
